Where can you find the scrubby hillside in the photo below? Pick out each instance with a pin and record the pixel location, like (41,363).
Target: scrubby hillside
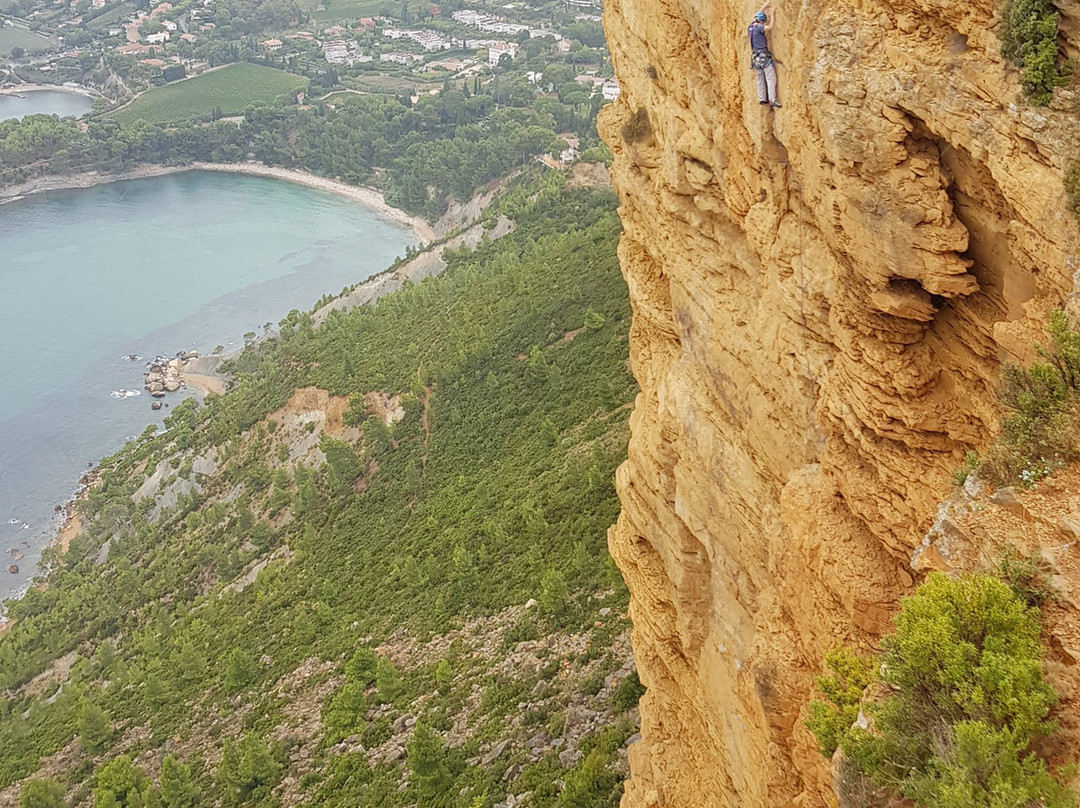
(372,574)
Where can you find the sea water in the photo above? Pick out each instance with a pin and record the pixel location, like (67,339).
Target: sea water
(44,102)
(93,277)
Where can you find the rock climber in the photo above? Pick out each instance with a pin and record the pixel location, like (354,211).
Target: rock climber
(760,59)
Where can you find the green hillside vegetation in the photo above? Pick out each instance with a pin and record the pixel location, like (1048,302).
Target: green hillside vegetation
(401,558)
(446,145)
(228,91)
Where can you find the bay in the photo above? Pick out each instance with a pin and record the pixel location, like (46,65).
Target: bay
(146,267)
(44,102)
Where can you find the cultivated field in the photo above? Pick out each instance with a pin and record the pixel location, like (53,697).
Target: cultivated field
(112,17)
(230,90)
(21,38)
(339,10)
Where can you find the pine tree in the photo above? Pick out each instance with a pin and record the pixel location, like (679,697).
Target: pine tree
(589,785)
(388,680)
(178,789)
(94,729)
(444,674)
(553,592)
(427,763)
(121,784)
(361,667)
(345,711)
(240,670)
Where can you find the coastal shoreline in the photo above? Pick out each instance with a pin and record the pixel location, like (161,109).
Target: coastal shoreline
(19,89)
(71,525)
(207,381)
(368,197)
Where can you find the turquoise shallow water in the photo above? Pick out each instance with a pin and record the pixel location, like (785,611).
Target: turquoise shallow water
(46,102)
(147,267)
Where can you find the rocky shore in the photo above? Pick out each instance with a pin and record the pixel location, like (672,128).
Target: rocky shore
(168,374)
(163,375)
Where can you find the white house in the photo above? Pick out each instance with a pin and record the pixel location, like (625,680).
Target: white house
(610,90)
(158,39)
(500,49)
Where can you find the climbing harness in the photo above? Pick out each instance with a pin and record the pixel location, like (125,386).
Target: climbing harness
(760,59)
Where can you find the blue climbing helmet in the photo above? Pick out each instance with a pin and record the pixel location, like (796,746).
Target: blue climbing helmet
(760,16)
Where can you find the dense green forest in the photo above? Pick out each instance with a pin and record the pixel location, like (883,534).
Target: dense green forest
(448,144)
(434,576)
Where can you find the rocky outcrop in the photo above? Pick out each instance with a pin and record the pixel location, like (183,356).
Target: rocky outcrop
(165,375)
(822,299)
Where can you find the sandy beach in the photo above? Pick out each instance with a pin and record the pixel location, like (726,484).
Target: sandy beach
(19,89)
(71,528)
(72,525)
(369,197)
(204,383)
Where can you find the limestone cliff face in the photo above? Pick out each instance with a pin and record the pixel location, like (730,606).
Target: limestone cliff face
(822,299)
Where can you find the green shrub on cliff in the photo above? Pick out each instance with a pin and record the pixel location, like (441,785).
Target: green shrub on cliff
(843,686)
(966,697)
(1042,430)
(1029,40)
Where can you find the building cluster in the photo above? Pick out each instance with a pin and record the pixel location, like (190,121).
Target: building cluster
(148,33)
(428,40)
(497,25)
(400,58)
(140,43)
(343,52)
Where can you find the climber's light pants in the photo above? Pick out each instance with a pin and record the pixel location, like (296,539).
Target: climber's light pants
(766,84)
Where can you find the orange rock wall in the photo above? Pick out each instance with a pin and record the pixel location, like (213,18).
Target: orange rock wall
(822,298)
